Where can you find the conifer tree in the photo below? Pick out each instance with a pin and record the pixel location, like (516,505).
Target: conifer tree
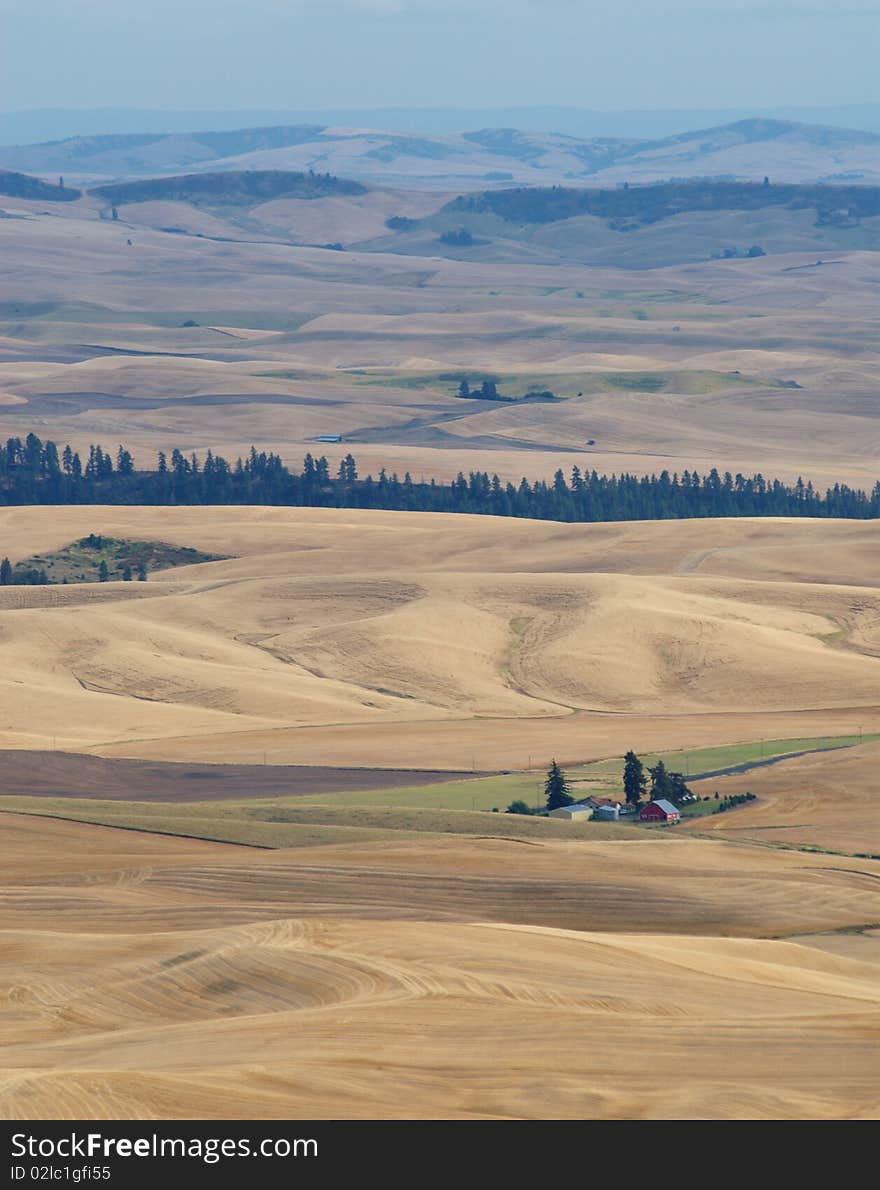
(660,785)
(634,780)
(557,791)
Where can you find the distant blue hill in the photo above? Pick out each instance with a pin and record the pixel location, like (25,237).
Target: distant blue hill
(29,127)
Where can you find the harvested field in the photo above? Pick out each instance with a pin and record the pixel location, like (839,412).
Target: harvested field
(166,978)
(66,775)
(315,645)
(372,949)
(827,800)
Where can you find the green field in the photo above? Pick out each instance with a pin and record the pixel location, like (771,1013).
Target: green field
(703,760)
(288,822)
(603,777)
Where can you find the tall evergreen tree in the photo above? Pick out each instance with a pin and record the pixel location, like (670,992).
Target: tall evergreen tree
(665,784)
(5,572)
(660,784)
(634,780)
(557,791)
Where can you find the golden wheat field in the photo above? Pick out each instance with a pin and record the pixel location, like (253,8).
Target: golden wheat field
(371,961)
(404,971)
(823,800)
(440,979)
(432,641)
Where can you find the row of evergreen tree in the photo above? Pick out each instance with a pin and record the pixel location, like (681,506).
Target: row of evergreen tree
(36,472)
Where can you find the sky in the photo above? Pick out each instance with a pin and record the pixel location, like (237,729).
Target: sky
(312,54)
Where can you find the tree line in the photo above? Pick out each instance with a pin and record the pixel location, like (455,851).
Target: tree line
(37,472)
(661,200)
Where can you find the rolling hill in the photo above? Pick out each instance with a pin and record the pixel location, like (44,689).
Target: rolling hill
(746,150)
(645,226)
(523,636)
(248,863)
(431,977)
(15,185)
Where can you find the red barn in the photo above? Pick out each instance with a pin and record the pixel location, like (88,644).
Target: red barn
(659,811)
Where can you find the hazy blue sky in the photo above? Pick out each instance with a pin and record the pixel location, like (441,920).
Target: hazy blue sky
(369,53)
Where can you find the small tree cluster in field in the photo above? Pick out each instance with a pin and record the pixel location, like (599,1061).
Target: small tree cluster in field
(738,253)
(734,799)
(459,237)
(670,786)
(519,807)
(488,391)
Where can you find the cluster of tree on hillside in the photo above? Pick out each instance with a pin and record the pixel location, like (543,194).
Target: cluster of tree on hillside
(739,253)
(458,237)
(22,576)
(651,203)
(24,186)
(229,187)
(488,391)
(36,472)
